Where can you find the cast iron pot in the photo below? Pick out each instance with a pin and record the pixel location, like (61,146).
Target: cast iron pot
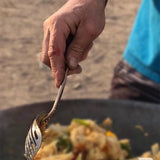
(15,122)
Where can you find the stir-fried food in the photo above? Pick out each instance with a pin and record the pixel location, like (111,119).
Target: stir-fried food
(86,140)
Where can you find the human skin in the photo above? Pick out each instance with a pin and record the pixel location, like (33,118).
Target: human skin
(83,20)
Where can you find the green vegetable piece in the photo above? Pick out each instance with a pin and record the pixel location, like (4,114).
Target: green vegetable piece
(127,148)
(79,157)
(64,144)
(81,121)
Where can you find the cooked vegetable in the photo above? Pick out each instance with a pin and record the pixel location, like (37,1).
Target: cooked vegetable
(79,157)
(64,143)
(125,144)
(81,121)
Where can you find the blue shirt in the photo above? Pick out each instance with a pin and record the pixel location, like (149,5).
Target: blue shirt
(143,48)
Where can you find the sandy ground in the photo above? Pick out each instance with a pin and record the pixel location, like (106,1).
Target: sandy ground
(21,79)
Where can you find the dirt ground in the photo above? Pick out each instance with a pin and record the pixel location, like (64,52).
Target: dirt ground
(22,81)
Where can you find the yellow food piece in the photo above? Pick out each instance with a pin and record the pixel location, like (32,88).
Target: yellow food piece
(111,134)
(107,122)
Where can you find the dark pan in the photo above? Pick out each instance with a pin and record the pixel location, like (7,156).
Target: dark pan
(15,122)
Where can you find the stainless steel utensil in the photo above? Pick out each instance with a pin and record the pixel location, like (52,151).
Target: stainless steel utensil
(36,131)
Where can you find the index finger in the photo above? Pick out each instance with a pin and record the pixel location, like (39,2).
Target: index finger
(56,49)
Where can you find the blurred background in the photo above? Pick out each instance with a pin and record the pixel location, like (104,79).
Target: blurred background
(23,81)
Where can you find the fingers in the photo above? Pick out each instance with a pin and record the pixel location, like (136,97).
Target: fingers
(80,46)
(75,71)
(85,54)
(53,49)
(56,55)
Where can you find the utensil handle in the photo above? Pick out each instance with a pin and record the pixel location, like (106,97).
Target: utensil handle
(58,97)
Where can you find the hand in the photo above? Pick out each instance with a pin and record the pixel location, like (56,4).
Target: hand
(84,20)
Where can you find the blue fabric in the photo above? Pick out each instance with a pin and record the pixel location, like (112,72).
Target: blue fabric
(143,48)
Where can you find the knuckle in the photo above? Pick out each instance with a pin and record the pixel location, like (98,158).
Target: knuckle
(78,12)
(45,23)
(52,50)
(92,29)
(49,22)
(51,56)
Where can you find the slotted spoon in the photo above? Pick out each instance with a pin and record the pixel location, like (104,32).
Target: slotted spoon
(35,135)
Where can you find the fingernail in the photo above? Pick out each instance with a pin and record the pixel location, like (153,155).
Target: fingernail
(73,62)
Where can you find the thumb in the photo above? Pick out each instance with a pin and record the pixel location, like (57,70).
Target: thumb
(78,46)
